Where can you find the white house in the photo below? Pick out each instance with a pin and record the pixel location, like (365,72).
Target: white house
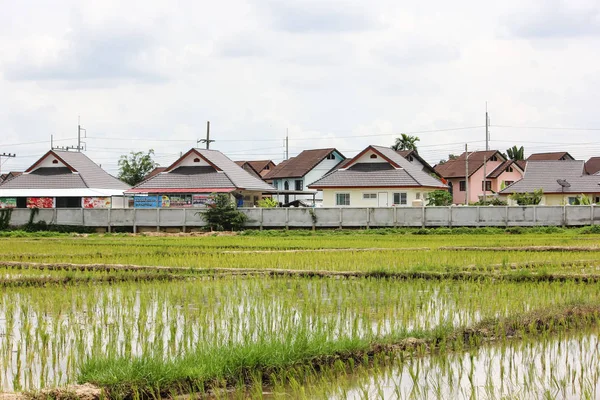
(377,177)
(292,177)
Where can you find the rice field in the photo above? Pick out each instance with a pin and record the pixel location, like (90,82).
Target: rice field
(295,314)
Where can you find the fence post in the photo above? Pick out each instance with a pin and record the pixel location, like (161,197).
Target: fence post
(591,214)
(535,215)
(262,212)
(478,221)
(423,217)
(157,219)
(395,216)
(109,222)
(82,218)
(506,216)
(134,220)
(564,219)
(368,217)
(341,217)
(287,217)
(450,216)
(184,219)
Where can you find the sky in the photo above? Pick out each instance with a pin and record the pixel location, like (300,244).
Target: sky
(142,75)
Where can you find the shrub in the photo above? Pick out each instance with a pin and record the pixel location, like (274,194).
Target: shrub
(222,214)
(528,199)
(267,202)
(439,198)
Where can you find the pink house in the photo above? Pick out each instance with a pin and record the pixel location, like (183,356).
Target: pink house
(467,173)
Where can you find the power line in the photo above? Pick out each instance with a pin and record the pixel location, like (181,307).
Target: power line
(545,127)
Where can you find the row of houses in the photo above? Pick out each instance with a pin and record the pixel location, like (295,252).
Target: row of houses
(376,177)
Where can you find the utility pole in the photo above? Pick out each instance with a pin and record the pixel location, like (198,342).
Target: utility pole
(7,155)
(484,179)
(207,140)
(466,175)
(287,144)
(487,129)
(79,129)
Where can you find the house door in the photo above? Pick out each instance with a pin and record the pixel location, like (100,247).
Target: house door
(382,199)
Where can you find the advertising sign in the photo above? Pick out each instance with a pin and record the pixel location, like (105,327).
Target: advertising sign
(146,201)
(40,202)
(97,202)
(200,200)
(181,201)
(7,202)
(165,201)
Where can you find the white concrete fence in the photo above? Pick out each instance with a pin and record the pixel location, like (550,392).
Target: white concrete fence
(453,216)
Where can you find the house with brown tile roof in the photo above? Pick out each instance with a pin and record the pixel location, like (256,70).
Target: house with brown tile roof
(259,168)
(592,166)
(548,176)
(197,174)
(297,173)
(551,156)
(467,173)
(377,177)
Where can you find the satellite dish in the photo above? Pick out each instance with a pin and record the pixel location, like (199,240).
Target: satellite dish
(563,183)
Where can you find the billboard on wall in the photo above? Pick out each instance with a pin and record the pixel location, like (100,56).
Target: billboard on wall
(8,202)
(200,200)
(181,201)
(146,202)
(40,202)
(97,202)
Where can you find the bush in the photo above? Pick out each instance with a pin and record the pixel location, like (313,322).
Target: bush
(267,202)
(222,215)
(439,198)
(528,199)
(590,230)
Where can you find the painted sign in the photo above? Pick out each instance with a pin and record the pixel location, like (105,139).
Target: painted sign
(181,201)
(7,202)
(146,201)
(165,201)
(200,200)
(97,202)
(40,202)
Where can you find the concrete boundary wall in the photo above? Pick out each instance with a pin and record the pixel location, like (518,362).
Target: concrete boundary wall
(341,217)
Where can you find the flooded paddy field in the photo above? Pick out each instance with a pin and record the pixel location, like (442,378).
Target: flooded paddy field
(388,315)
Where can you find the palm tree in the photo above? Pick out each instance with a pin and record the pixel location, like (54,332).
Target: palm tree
(405,142)
(516,153)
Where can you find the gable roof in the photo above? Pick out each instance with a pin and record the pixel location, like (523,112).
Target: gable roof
(395,172)
(302,164)
(77,172)
(414,153)
(457,168)
(544,175)
(557,155)
(592,166)
(257,165)
(502,167)
(221,173)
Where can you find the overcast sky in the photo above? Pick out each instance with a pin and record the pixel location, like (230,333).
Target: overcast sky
(341,74)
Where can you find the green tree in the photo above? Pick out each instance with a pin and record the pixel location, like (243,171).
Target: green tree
(405,142)
(450,158)
(528,199)
(221,214)
(135,166)
(439,198)
(516,153)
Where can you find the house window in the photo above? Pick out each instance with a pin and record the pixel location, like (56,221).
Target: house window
(373,156)
(418,196)
(54,161)
(342,199)
(508,183)
(488,186)
(400,199)
(196,160)
(369,196)
(286,185)
(410,158)
(493,158)
(572,200)
(462,186)
(597,200)
(509,169)
(330,156)
(298,184)
(276,184)
(267,166)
